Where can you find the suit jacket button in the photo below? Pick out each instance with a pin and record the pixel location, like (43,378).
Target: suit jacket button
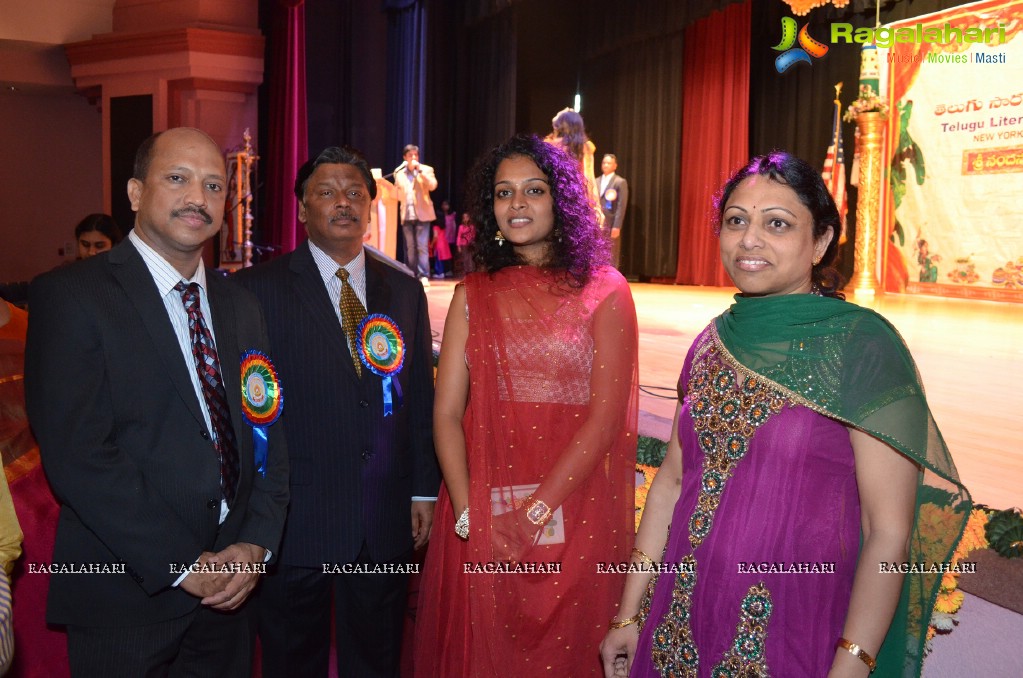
(363,403)
(366,454)
(212,504)
(204,434)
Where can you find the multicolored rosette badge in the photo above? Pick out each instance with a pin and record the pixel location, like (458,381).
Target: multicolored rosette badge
(262,401)
(610,195)
(382,350)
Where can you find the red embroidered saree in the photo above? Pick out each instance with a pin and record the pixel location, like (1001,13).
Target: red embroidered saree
(552,400)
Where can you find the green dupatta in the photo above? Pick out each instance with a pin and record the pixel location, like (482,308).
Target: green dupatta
(850,364)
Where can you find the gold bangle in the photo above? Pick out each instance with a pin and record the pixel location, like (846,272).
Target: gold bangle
(857,651)
(537,511)
(644,558)
(622,623)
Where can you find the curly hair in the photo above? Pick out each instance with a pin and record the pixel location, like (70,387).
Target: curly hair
(806,182)
(576,244)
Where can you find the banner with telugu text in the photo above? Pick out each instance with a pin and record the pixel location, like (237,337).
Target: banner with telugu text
(956,141)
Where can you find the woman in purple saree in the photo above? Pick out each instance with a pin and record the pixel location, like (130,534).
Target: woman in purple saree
(804,463)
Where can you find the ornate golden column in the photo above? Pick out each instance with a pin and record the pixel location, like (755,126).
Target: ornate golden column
(864,281)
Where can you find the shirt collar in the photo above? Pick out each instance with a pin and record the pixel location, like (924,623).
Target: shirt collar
(164,275)
(328,267)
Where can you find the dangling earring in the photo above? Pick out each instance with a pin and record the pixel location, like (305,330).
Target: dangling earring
(499,237)
(557,233)
(816,260)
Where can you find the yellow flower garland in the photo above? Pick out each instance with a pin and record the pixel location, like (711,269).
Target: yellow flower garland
(642,489)
(950,599)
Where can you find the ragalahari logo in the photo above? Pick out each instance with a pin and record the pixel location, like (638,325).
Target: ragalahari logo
(808,47)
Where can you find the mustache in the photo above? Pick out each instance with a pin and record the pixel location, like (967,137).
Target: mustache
(193,210)
(345,214)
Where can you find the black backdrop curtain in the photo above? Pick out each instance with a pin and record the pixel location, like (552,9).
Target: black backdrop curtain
(635,96)
(486,89)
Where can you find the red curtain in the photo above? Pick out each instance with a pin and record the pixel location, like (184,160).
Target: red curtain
(288,139)
(715,133)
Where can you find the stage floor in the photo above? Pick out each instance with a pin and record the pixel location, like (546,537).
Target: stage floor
(969,353)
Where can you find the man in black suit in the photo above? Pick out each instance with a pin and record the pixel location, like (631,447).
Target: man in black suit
(363,480)
(614,199)
(152,462)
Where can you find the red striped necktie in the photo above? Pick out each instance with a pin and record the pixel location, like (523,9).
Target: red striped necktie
(207,365)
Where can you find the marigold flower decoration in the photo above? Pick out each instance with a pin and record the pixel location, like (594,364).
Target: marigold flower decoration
(950,599)
(868,101)
(643,488)
(803,7)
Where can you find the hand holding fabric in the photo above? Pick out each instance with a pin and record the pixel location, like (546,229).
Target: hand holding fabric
(512,536)
(618,649)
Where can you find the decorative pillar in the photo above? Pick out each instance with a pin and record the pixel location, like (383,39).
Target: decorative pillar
(864,281)
(200,62)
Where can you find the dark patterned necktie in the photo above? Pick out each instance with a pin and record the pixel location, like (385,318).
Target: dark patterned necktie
(207,365)
(352,314)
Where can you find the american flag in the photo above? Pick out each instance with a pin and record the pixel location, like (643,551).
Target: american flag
(834,170)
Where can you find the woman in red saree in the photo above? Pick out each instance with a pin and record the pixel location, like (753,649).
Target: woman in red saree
(535,429)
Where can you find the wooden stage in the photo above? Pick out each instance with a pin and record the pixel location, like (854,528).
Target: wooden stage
(970,354)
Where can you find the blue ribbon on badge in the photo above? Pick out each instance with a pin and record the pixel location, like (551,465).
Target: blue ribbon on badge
(381,348)
(262,401)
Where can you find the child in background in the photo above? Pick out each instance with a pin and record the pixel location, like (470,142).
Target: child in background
(450,234)
(466,234)
(441,252)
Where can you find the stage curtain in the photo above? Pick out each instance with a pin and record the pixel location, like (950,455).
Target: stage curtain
(406,79)
(484,90)
(645,134)
(632,96)
(287,124)
(715,138)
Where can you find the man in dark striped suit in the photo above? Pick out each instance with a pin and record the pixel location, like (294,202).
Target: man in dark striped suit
(133,390)
(364,475)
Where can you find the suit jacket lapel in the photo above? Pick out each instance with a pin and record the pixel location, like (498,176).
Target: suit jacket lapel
(310,289)
(225,329)
(378,291)
(137,282)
